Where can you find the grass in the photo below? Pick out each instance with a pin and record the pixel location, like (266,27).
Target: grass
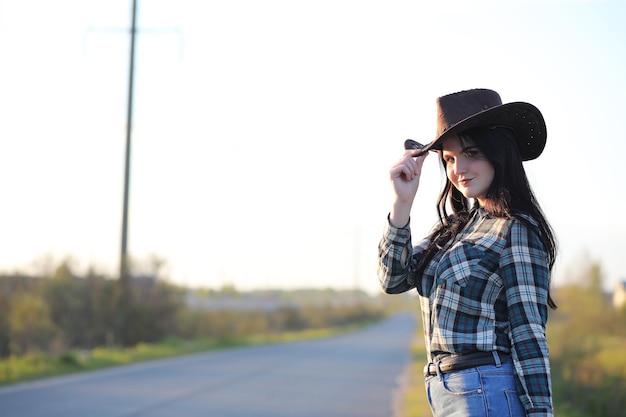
(38,365)
(415,403)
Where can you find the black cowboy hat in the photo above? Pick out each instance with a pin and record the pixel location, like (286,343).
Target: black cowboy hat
(465,110)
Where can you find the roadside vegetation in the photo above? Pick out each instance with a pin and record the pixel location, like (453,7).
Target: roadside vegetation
(36,365)
(587,340)
(62,323)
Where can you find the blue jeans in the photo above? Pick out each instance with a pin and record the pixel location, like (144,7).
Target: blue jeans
(484,391)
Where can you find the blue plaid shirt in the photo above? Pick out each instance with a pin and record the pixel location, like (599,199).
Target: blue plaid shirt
(485,290)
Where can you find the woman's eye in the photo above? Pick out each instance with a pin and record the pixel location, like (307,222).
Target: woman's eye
(471,154)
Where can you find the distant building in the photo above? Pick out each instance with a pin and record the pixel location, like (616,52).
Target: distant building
(241,302)
(619,295)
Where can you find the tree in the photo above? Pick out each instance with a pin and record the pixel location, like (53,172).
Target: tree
(29,323)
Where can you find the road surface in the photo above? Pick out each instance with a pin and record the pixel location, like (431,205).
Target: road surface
(354,374)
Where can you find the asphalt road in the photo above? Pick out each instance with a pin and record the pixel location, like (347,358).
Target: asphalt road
(354,374)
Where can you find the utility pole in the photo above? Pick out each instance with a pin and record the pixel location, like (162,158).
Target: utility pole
(124,273)
(124,267)
(124,281)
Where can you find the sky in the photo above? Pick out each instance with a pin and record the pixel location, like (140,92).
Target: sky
(263,131)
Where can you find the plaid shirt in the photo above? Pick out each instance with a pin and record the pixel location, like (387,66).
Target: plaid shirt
(485,290)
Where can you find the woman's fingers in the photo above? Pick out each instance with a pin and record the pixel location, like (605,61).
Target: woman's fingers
(408,165)
(405,177)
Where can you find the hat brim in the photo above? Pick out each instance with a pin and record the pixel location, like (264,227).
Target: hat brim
(524,119)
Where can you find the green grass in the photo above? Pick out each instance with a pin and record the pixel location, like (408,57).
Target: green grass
(37,365)
(415,403)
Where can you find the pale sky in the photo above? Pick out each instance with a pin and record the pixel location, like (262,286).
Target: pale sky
(264,130)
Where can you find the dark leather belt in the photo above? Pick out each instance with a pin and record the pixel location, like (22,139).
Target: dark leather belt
(459,362)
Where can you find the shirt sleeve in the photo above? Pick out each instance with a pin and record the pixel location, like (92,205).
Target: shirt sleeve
(398,260)
(525,273)
(394,257)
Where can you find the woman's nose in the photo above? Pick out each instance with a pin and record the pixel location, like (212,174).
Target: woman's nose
(459,166)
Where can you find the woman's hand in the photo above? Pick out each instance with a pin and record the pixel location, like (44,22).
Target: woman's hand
(405,177)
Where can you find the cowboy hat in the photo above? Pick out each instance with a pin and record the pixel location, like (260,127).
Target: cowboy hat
(468,109)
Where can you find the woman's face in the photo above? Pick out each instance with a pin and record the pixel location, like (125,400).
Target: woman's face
(467,168)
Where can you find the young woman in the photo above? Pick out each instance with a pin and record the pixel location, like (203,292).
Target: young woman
(483,274)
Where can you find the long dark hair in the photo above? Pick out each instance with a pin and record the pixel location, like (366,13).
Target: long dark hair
(509,196)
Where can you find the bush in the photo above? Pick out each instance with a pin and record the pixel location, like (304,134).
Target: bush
(587,338)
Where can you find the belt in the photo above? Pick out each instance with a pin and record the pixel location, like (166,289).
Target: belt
(463,361)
